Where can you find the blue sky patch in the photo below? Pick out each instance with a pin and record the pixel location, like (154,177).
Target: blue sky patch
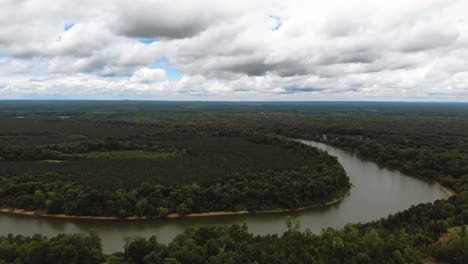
(68,26)
(172,73)
(278,22)
(147,41)
(289,90)
(162,63)
(3,55)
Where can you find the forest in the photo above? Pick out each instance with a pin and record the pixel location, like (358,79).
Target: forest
(90,166)
(429,141)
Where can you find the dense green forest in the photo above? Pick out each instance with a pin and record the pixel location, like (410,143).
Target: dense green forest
(427,140)
(88,165)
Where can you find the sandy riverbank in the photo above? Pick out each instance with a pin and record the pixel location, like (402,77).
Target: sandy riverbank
(220,213)
(448,190)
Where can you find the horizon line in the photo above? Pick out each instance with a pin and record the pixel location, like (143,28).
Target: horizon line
(233,101)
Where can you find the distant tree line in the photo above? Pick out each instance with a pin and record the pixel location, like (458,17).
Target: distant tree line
(65,151)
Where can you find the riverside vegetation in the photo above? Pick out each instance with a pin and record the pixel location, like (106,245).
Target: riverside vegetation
(153,175)
(424,140)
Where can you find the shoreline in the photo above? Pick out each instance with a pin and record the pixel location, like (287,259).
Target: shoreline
(173,215)
(449,191)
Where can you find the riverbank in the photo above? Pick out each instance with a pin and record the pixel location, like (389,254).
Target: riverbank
(170,216)
(450,192)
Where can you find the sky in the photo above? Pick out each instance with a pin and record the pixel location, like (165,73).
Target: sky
(234,50)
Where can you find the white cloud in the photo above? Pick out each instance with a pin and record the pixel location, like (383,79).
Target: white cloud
(146,75)
(323,50)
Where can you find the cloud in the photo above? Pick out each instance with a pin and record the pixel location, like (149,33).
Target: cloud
(277,22)
(150,19)
(277,50)
(146,75)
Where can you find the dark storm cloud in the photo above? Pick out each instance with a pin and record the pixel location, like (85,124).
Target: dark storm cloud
(152,27)
(158,19)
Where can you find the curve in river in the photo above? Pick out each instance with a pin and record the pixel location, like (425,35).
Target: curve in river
(376,192)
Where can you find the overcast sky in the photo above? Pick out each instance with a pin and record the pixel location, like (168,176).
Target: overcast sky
(234,50)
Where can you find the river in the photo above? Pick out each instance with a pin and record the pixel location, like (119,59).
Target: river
(376,192)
